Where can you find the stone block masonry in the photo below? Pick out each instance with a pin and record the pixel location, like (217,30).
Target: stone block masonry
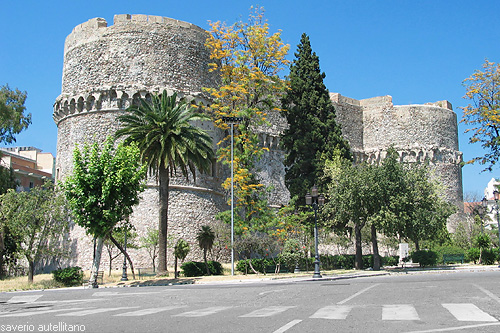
(108,68)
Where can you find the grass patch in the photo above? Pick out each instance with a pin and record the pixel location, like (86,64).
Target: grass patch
(40,281)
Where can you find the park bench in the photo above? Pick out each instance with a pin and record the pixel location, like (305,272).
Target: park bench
(145,272)
(99,279)
(453,258)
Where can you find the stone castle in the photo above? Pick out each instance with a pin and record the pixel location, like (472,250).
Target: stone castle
(107,68)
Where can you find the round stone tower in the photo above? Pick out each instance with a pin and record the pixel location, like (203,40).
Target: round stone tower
(106,69)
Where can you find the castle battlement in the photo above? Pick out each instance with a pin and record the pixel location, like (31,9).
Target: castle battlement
(121,19)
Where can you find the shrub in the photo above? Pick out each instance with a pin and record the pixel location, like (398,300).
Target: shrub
(472,254)
(259,264)
(425,257)
(196,268)
(193,268)
(489,256)
(215,267)
(448,249)
(390,261)
(69,276)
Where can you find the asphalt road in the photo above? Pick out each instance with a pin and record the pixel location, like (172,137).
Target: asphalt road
(437,302)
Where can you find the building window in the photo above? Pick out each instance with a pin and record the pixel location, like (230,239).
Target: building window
(32,185)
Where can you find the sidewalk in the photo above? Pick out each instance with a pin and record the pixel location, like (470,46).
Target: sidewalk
(299,277)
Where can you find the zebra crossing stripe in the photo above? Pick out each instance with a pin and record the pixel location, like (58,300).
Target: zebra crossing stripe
(267,312)
(149,311)
(468,312)
(203,312)
(24,299)
(39,312)
(399,312)
(95,311)
(333,312)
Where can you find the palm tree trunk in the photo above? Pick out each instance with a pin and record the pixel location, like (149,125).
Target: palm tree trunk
(163,178)
(206,262)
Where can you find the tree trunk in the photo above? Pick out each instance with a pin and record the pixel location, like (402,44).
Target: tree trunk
(376,255)
(358,263)
(125,254)
(31,270)
(206,262)
(96,263)
(2,250)
(163,178)
(417,246)
(175,268)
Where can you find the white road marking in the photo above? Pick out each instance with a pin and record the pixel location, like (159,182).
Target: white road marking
(105,293)
(456,328)
(203,312)
(333,312)
(487,292)
(399,312)
(145,312)
(24,299)
(267,312)
(94,311)
(39,312)
(271,291)
(468,312)
(116,293)
(288,326)
(357,294)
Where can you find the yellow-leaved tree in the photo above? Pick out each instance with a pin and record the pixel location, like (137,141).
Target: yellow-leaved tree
(249,60)
(483,114)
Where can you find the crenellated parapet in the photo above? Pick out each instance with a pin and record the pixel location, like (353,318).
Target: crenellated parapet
(113,99)
(431,155)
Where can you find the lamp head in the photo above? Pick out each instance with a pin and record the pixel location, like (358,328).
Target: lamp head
(308,199)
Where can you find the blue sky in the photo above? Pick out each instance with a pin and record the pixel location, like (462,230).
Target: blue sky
(415,51)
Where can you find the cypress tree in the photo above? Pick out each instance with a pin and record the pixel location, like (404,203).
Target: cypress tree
(313,134)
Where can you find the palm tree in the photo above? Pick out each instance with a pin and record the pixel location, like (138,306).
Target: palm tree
(168,141)
(206,239)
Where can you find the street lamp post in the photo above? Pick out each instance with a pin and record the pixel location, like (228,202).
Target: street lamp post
(315,200)
(124,273)
(482,212)
(232,121)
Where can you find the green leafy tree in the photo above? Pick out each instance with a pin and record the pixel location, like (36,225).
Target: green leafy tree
(150,243)
(8,245)
(102,190)
(352,201)
(37,220)
(181,251)
(483,114)
(205,238)
(168,141)
(12,114)
(313,135)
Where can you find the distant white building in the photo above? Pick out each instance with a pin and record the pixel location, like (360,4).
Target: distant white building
(493,185)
